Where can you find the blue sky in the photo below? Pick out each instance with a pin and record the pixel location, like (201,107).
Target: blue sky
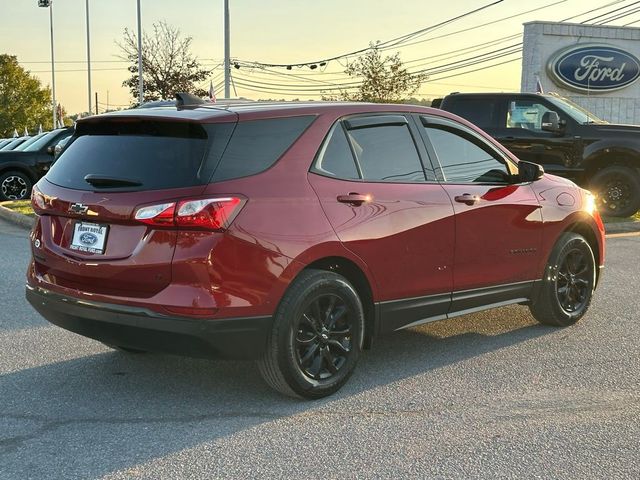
(275,31)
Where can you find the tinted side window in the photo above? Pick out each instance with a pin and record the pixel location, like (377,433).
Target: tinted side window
(463,160)
(387,153)
(258,144)
(335,156)
(479,111)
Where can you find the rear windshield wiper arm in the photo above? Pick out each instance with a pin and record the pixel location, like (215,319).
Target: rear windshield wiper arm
(107,181)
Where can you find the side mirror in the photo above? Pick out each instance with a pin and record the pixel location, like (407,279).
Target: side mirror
(529,172)
(51,150)
(550,122)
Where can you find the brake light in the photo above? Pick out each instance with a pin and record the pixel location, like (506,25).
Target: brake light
(210,213)
(37,199)
(214,214)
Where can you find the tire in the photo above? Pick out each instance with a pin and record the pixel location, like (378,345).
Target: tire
(569,280)
(14,185)
(617,190)
(317,336)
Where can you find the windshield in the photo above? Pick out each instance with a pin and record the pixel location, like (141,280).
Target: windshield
(24,145)
(42,141)
(13,143)
(575,111)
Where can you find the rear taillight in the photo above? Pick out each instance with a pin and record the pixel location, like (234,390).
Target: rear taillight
(37,199)
(161,214)
(214,214)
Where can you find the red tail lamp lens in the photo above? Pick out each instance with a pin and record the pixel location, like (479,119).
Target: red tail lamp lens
(203,213)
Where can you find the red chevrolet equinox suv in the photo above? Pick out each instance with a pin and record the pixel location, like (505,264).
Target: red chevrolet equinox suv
(295,233)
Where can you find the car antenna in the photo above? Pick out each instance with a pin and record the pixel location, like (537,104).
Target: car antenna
(186,99)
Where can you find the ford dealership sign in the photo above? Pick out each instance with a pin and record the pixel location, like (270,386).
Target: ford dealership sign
(594,68)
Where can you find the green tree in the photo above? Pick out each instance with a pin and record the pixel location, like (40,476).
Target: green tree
(384,79)
(168,65)
(24,103)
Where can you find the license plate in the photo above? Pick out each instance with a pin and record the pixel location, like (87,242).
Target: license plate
(89,237)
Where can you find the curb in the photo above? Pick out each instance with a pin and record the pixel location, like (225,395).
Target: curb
(16,218)
(622,227)
(27,222)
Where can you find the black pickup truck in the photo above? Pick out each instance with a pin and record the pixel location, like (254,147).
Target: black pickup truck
(564,138)
(20,169)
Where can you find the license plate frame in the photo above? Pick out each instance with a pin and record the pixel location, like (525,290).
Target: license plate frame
(89,237)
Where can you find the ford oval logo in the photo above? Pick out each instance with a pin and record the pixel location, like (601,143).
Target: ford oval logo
(594,68)
(88,238)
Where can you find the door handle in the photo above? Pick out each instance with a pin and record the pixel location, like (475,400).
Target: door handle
(467,199)
(354,199)
(509,139)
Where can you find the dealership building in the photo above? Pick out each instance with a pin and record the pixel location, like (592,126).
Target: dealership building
(595,66)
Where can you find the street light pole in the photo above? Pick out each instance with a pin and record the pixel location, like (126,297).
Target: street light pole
(49,4)
(227,50)
(88,56)
(140,79)
(53,67)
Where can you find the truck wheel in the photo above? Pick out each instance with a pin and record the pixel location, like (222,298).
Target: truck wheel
(617,190)
(565,292)
(14,186)
(316,338)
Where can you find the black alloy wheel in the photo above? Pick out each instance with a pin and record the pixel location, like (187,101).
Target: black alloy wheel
(324,336)
(617,190)
(616,194)
(573,280)
(316,338)
(564,294)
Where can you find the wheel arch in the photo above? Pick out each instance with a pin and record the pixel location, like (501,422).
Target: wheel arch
(604,155)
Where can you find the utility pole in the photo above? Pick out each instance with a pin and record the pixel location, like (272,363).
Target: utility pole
(49,4)
(227,50)
(140,80)
(88,56)
(97,103)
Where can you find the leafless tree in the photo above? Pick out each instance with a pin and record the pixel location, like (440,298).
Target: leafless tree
(167,63)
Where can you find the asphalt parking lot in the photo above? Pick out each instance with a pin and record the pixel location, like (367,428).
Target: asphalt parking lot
(483,396)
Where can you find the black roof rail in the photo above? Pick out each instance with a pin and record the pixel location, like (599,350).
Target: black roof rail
(186,99)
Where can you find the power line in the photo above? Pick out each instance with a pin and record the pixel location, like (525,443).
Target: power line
(618,16)
(393,41)
(468,29)
(593,10)
(610,12)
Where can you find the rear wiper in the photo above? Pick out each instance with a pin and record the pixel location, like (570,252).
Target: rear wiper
(107,181)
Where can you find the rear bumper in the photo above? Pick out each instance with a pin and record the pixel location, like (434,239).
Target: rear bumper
(139,328)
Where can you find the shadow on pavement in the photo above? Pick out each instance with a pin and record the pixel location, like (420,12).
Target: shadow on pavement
(111,411)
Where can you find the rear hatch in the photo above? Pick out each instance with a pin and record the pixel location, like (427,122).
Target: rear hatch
(89,237)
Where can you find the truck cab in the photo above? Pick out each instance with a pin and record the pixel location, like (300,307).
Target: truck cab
(564,138)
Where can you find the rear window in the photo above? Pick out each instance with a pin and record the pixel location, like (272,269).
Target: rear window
(258,144)
(163,154)
(479,111)
(156,154)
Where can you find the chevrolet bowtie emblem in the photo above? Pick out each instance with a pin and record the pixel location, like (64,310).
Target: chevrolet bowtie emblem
(78,208)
